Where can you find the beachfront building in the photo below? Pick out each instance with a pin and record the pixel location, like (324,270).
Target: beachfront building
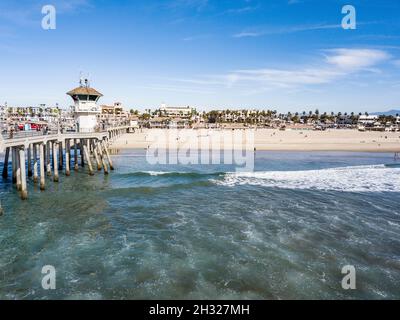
(367,120)
(183,112)
(86,109)
(133,122)
(113,115)
(39,114)
(158,122)
(3,112)
(116,109)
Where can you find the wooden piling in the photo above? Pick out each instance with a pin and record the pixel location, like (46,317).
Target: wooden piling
(108,156)
(103,161)
(85,148)
(24,190)
(5,168)
(14,164)
(60,156)
(42,177)
(68,149)
(92,144)
(48,157)
(29,160)
(55,162)
(96,157)
(18,163)
(67,159)
(76,165)
(81,144)
(44,154)
(35,164)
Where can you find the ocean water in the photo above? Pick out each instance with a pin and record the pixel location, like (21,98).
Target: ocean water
(206,232)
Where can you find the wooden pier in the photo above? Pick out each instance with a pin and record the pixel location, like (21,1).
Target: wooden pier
(37,156)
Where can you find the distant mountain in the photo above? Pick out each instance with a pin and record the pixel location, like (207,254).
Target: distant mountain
(387,113)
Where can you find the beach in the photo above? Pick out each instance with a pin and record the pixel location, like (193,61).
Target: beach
(270,139)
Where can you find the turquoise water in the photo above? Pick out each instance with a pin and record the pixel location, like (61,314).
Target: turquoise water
(205,232)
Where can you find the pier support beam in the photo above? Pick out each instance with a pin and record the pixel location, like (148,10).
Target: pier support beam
(76,164)
(85,148)
(60,156)
(18,163)
(67,158)
(42,175)
(96,157)
(5,168)
(55,162)
(24,190)
(48,158)
(103,161)
(35,164)
(108,156)
(14,164)
(81,144)
(44,154)
(29,160)
(68,149)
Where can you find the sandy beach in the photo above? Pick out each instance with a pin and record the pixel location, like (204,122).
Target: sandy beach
(268,139)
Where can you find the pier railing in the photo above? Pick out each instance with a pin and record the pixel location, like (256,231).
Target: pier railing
(22,137)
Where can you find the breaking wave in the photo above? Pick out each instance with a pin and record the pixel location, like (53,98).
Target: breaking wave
(171,174)
(376,178)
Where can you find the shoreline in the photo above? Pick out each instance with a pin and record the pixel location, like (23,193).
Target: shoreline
(264,140)
(137,148)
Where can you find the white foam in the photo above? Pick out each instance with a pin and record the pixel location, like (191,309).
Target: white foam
(157,173)
(348,179)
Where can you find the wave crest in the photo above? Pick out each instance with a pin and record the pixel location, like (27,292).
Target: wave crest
(377,178)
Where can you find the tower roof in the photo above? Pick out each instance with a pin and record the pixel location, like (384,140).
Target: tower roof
(84,91)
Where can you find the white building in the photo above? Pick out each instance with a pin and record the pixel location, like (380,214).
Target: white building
(176,111)
(368,120)
(86,109)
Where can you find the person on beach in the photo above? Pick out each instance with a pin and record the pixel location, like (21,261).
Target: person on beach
(11,132)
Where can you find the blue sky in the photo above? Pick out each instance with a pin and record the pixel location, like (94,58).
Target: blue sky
(289,55)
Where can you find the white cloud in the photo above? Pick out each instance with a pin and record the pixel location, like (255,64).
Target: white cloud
(196,37)
(338,64)
(284,78)
(334,65)
(247,34)
(356,58)
(241,10)
(284,30)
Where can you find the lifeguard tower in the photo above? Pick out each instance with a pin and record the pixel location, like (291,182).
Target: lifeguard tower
(86,108)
